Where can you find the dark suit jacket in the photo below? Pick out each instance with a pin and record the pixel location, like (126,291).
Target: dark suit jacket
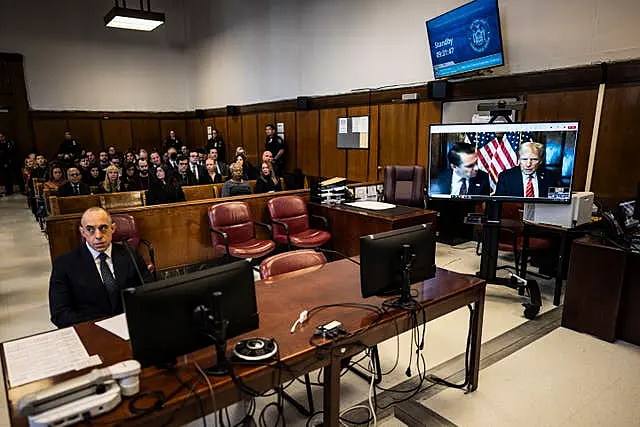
(160,193)
(510,183)
(76,291)
(224,168)
(206,179)
(188,179)
(67,189)
(479,185)
(201,174)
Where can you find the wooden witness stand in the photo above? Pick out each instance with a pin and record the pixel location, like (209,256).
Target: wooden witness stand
(336,282)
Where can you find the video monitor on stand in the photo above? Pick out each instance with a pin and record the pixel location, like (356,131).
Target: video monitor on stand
(501,162)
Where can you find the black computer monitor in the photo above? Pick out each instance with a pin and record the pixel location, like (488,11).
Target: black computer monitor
(161,319)
(383,261)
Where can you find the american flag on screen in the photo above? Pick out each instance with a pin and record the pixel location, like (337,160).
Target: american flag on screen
(497,155)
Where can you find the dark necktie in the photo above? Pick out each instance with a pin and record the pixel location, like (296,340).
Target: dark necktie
(195,171)
(76,190)
(530,192)
(108,280)
(463,187)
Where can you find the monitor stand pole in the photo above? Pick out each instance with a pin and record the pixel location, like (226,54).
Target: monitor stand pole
(405,301)
(214,326)
(489,261)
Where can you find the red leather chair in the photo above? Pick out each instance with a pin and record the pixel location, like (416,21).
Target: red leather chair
(291,223)
(127,232)
(511,238)
(233,231)
(405,185)
(290,261)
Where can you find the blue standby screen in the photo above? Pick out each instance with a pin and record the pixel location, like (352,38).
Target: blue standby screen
(466,39)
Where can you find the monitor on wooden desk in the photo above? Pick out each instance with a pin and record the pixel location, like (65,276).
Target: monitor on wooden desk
(161,319)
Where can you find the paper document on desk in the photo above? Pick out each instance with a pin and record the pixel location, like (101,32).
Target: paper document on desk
(45,355)
(117,325)
(374,206)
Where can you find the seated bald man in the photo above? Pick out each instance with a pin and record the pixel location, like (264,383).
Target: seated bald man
(86,282)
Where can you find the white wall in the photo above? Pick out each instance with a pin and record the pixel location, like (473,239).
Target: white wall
(73,62)
(261,50)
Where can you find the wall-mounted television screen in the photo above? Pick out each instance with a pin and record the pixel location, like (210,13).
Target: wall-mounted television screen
(466,39)
(522,162)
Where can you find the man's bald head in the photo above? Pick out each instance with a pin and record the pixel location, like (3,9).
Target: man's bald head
(97,227)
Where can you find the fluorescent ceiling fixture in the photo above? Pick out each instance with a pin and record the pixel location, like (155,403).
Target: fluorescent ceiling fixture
(132,19)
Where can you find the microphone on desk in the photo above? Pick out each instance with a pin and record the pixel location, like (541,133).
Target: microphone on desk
(330,251)
(125,243)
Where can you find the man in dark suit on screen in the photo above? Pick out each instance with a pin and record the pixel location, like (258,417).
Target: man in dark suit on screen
(462,177)
(86,282)
(528,179)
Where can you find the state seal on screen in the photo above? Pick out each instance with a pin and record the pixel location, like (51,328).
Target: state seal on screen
(479,35)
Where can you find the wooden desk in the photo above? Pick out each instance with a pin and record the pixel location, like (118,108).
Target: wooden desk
(603,291)
(347,224)
(280,299)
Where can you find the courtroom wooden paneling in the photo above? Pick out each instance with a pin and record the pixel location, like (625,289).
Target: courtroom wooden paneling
(146,134)
(234,140)
(178,125)
(571,105)
(289,120)
(362,165)
(250,137)
(49,134)
(179,232)
(429,113)
(615,175)
(398,134)
(88,133)
(333,162)
(308,141)
(196,133)
(117,132)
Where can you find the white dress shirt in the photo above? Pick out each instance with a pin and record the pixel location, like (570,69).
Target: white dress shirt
(456,183)
(95,254)
(525,181)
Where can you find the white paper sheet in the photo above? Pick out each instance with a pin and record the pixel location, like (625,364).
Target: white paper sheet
(342,125)
(360,124)
(117,325)
(374,206)
(45,355)
(361,192)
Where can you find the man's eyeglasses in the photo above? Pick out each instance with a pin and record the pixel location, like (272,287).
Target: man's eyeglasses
(74,174)
(91,230)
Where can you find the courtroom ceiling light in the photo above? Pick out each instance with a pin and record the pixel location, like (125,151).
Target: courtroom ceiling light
(133,19)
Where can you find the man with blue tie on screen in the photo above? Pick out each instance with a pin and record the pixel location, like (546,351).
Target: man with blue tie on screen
(529,180)
(462,177)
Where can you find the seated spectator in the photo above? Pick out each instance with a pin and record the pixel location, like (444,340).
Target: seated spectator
(95,178)
(202,157)
(220,166)
(267,181)
(164,189)
(74,187)
(111,183)
(83,165)
(184,176)
(184,150)
(129,157)
(143,154)
(86,282)
(267,157)
(216,142)
(116,160)
(91,157)
(129,180)
(236,185)
(144,179)
(41,170)
(248,171)
(212,176)
(111,150)
(56,177)
(103,159)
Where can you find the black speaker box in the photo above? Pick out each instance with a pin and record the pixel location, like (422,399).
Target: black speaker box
(199,114)
(302,103)
(232,110)
(438,90)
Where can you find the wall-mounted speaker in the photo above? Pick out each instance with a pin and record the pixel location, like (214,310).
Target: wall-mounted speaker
(232,110)
(302,103)
(199,113)
(438,90)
